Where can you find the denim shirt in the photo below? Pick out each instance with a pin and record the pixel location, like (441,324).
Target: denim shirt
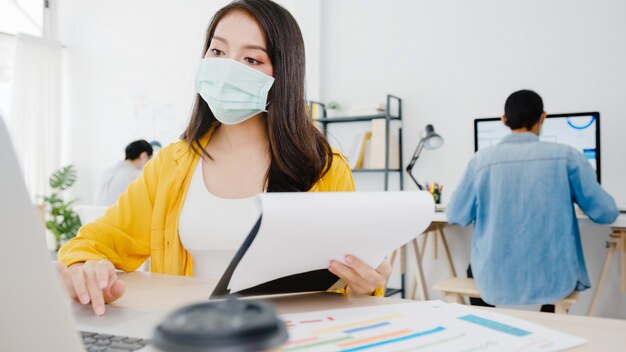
(519,194)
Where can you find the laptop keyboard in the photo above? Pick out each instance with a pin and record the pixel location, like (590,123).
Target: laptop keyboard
(111,343)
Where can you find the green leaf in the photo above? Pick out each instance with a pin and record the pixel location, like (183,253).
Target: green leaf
(63,178)
(53,227)
(63,221)
(68,204)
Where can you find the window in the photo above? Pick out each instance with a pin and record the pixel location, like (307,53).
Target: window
(7,53)
(16,16)
(21,16)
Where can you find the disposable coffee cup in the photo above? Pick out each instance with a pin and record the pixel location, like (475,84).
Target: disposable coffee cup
(225,326)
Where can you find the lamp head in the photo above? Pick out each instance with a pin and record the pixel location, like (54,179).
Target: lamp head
(432,140)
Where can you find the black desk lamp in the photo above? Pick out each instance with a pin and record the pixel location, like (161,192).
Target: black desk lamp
(429,141)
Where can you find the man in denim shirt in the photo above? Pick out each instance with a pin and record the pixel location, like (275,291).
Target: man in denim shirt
(519,194)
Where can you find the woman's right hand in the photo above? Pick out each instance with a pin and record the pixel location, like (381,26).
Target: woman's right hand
(92,281)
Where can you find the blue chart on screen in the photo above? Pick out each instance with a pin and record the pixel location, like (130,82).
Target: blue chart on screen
(579,127)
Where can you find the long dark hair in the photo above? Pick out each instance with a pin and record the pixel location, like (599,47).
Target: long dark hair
(300,154)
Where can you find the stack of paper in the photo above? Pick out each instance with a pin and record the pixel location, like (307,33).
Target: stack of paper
(303,232)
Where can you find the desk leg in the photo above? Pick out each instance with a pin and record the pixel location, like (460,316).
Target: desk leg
(420,282)
(401,255)
(403,270)
(605,271)
(622,249)
(434,232)
(444,242)
(435,237)
(423,247)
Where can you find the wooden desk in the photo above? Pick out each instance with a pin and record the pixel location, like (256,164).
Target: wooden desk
(157,292)
(620,222)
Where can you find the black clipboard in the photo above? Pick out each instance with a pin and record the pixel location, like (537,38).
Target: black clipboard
(310,281)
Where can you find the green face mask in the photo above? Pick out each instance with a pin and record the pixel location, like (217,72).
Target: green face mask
(234,91)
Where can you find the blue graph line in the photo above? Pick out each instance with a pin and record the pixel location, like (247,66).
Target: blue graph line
(373,326)
(507,329)
(593,119)
(407,337)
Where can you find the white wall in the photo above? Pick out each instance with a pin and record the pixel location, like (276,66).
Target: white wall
(129,75)
(453,61)
(129,68)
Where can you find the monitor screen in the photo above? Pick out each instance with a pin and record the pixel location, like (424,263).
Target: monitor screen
(578,130)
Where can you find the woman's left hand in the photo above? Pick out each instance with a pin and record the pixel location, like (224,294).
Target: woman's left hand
(360,277)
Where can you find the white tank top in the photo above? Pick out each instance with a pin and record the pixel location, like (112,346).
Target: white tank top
(212,228)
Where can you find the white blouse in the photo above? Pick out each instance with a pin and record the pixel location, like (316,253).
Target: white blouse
(212,228)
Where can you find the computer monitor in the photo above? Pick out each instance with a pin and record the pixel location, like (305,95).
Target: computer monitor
(579,130)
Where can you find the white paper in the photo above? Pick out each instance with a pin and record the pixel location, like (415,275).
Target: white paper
(430,326)
(302,232)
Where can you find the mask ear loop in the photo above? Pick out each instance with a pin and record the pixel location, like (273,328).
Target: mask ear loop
(269,101)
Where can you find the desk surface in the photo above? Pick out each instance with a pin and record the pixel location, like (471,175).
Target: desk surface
(620,222)
(161,293)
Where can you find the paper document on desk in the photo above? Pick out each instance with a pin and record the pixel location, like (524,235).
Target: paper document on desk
(429,326)
(303,232)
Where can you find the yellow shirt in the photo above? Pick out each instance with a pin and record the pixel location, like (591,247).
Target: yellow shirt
(144,221)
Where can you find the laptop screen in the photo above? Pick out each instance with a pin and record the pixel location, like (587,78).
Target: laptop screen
(578,130)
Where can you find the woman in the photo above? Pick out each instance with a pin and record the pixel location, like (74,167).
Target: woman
(249,132)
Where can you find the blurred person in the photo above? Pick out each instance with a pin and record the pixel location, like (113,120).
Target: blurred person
(115,179)
(519,195)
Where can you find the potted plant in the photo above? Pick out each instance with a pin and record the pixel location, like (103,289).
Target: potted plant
(332,109)
(62,221)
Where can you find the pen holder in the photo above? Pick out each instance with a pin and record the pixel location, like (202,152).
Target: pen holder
(435,190)
(437,197)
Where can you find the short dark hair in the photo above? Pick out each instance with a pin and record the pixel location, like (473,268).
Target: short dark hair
(523,109)
(134,150)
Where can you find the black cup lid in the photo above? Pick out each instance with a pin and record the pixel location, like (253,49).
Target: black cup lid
(224,326)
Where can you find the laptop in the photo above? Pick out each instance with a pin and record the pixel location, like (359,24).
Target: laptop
(36,314)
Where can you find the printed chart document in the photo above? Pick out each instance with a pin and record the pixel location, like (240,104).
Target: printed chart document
(428,326)
(298,234)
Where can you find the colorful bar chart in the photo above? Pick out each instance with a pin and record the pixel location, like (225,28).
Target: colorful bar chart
(431,325)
